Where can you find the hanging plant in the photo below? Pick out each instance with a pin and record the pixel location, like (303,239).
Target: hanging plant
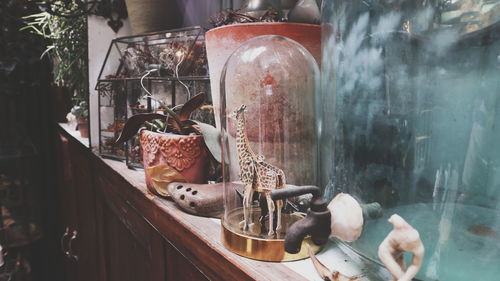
(67,47)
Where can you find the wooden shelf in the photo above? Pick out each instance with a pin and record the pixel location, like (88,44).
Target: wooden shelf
(196,239)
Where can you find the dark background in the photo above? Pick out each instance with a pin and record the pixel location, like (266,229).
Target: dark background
(25,121)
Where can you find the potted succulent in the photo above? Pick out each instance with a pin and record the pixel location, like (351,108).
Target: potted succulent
(174,148)
(297,20)
(81,113)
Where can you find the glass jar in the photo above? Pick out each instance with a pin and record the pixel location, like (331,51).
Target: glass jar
(411,119)
(267,117)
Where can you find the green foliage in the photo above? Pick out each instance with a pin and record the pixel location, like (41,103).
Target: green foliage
(20,66)
(67,47)
(213,140)
(81,111)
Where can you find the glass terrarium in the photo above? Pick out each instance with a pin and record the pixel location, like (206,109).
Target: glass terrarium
(144,74)
(267,117)
(177,52)
(411,119)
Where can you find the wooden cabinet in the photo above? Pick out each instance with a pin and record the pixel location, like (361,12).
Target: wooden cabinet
(84,236)
(77,224)
(103,237)
(117,231)
(67,220)
(180,268)
(128,257)
(131,248)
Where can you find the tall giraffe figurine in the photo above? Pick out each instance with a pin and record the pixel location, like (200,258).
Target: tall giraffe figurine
(256,175)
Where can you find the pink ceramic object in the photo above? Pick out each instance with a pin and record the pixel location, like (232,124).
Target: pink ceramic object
(347,217)
(221,42)
(186,154)
(402,238)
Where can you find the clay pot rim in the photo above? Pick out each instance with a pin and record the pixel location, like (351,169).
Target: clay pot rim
(262,24)
(168,134)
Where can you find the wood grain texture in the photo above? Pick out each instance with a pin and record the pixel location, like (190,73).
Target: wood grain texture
(179,268)
(85,243)
(197,238)
(67,211)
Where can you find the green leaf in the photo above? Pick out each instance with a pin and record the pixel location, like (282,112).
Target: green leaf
(191,105)
(25,27)
(212,138)
(68,38)
(134,123)
(42,14)
(49,48)
(162,175)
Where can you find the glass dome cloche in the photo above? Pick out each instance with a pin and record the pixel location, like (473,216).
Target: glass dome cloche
(267,116)
(411,119)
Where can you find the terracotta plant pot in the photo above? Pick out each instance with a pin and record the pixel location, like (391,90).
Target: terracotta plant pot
(61,103)
(188,155)
(83,128)
(221,42)
(153,15)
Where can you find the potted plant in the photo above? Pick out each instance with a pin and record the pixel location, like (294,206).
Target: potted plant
(174,148)
(257,18)
(153,15)
(67,49)
(81,113)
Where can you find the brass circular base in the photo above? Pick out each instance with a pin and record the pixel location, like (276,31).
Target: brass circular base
(260,247)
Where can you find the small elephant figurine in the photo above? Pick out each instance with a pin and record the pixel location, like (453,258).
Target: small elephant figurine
(402,238)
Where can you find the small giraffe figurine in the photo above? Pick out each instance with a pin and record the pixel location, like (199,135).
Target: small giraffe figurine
(256,175)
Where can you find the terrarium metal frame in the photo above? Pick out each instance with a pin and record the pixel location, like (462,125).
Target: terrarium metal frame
(180,61)
(168,36)
(174,82)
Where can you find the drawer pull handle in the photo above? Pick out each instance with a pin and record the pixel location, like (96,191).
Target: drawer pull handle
(70,249)
(63,238)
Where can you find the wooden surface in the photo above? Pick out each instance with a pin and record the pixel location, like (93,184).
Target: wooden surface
(144,237)
(197,238)
(66,208)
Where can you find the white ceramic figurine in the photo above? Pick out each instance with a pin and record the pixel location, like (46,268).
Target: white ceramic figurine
(347,217)
(403,238)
